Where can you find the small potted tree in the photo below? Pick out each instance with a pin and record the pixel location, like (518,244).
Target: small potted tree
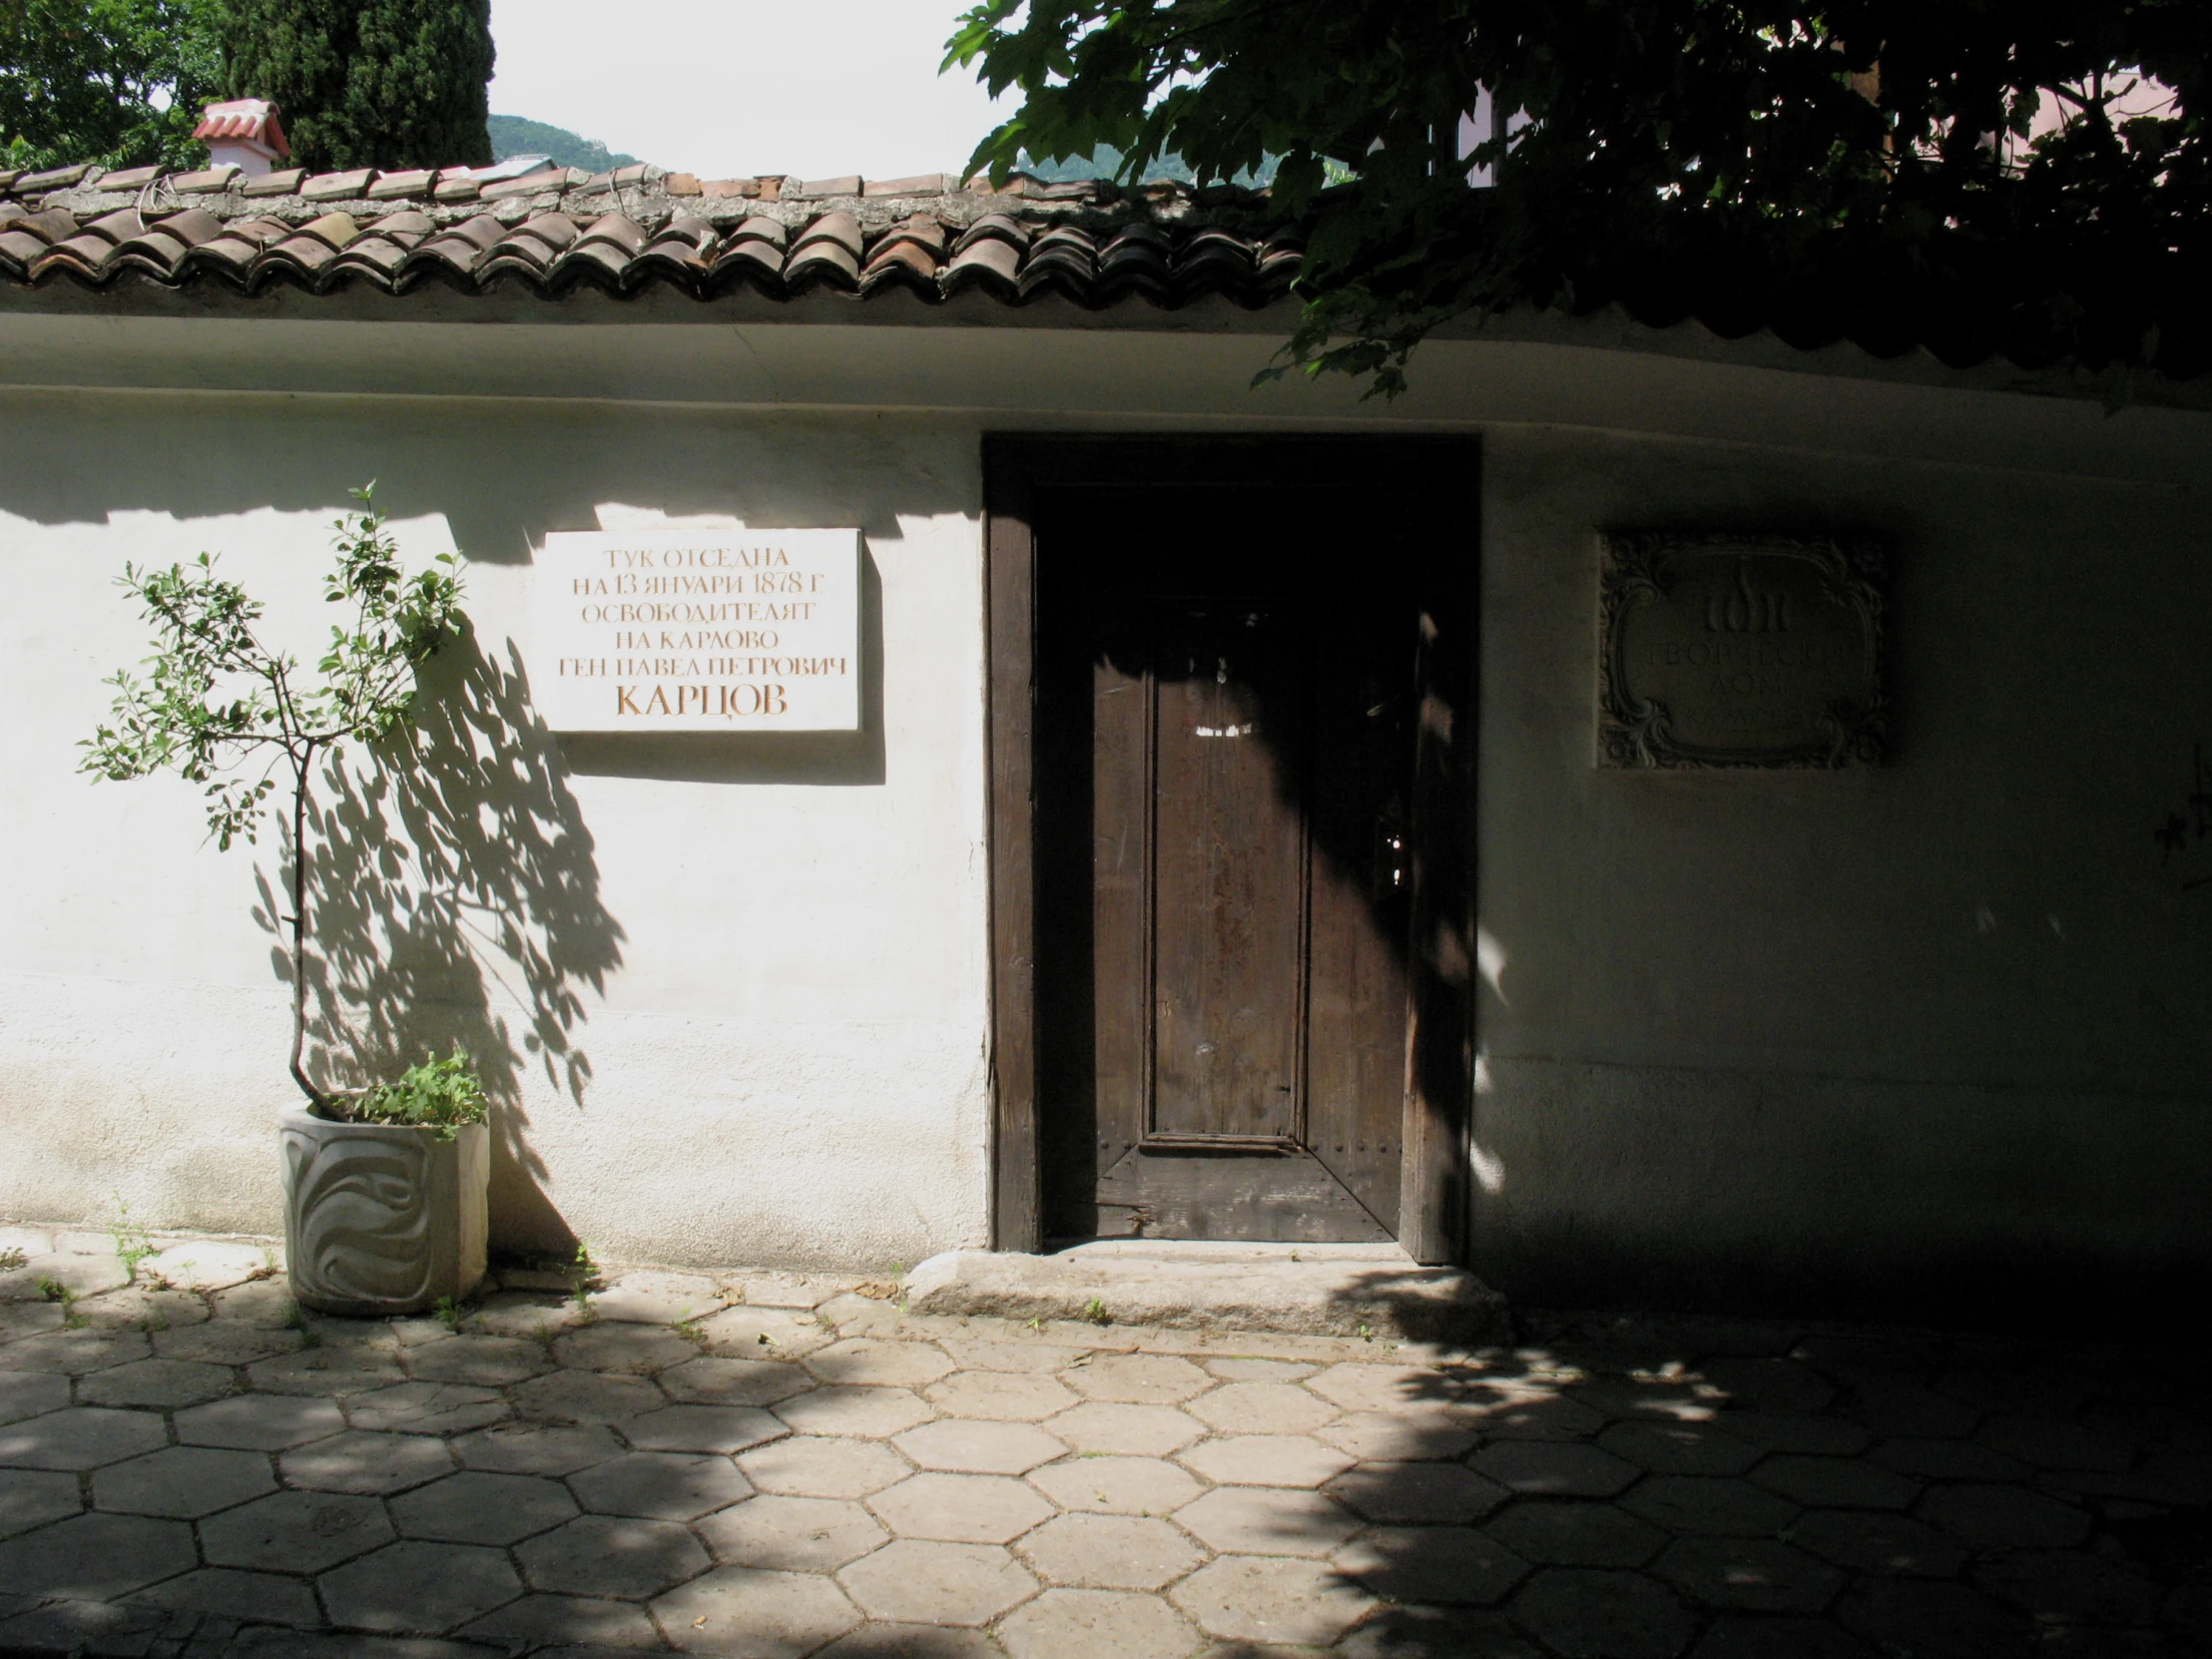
(386,1188)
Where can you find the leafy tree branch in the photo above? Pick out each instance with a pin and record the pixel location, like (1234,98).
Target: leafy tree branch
(223,709)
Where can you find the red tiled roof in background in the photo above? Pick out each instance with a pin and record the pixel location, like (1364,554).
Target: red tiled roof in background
(638,226)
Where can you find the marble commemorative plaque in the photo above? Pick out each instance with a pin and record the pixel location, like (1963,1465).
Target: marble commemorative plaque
(1740,651)
(689,630)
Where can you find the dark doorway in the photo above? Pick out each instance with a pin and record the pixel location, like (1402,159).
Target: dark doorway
(1226,681)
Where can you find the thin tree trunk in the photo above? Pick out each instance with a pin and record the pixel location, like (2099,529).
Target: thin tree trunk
(300,772)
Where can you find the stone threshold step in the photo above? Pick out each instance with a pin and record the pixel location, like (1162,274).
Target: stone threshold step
(1297,1290)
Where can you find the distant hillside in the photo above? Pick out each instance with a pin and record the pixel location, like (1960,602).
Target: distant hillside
(511,134)
(1105,163)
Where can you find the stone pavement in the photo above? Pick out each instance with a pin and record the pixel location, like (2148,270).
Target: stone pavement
(778,1464)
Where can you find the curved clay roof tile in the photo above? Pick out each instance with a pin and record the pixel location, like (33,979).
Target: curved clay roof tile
(192,226)
(554,230)
(994,228)
(988,263)
(824,260)
(760,228)
(838,228)
(619,229)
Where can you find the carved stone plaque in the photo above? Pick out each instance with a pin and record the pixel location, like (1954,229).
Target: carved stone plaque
(1740,651)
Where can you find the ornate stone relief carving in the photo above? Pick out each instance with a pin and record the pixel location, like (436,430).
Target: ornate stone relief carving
(382,1219)
(1722,650)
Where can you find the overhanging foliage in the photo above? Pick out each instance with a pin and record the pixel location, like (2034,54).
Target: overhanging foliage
(2028,176)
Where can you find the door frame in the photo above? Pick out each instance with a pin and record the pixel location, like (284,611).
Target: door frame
(1437,478)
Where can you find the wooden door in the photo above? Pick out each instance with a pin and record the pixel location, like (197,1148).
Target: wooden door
(1225,739)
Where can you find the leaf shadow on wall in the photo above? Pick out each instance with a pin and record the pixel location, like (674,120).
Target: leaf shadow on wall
(454,899)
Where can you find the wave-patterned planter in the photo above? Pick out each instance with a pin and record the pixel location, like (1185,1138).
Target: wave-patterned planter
(379,1219)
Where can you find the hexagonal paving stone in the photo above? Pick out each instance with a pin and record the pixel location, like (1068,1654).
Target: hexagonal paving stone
(1138,1378)
(182,1483)
(488,1362)
(364,1461)
(229,1593)
(1007,1397)
(723,1428)
(1769,1384)
(1109,1553)
(1586,1612)
(328,1371)
(960,1509)
(79,1437)
(1365,1388)
(1260,1409)
(612,1555)
(764,1333)
(1576,1534)
(1410,1436)
(1869,1542)
(481,1508)
(2001,1517)
(871,1363)
(418,1587)
(537,1448)
(27,1393)
(790,1289)
(2051,1445)
(1265,1520)
(265,1305)
(770,1615)
(1914,1616)
(648,1296)
(1752,1575)
(1763,1636)
(1129,1430)
(1240,1369)
(790,1534)
(94,1557)
(2071,1586)
(224,1342)
(260,1422)
(710,1382)
(1905,1408)
(1538,1417)
(842,1409)
(935,1583)
(1116,1485)
(1040,1359)
(565,1623)
(427,1408)
(1443,1494)
(1714,1505)
(1790,1431)
(296,1532)
(32,1497)
(637,1350)
(206,1264)
(882,1639)
(1266,1460)
(1836,1484)
(1445,1566)
(1254,1599)
(526,1314)
(585,1396)
(1947,1460)
(1679,1447)
(662,1486)
(74,1353)
(1096,1624)
(806,1465)
(1543,1468)
(968,1446)
(162,1384)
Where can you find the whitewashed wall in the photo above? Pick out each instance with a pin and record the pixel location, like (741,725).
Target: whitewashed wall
(1934,1031)
(753,1028)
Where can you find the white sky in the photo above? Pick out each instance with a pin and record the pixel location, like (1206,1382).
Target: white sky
(734,88)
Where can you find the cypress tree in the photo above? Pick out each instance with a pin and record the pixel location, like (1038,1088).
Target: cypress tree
(368,83)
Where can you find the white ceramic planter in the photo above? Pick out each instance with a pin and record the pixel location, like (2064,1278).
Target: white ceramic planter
(381,1220)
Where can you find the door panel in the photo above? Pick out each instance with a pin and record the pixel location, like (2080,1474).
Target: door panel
(1228,871)
(1224,744)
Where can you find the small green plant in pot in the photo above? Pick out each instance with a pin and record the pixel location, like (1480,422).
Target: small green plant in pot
(385,1187)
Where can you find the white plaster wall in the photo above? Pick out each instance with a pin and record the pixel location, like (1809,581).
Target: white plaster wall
(753,1028)
(1929,1031)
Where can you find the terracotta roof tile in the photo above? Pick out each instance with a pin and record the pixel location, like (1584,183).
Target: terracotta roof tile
(337,187)
(636,228)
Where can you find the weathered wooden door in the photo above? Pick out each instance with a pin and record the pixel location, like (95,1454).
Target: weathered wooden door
(1224,740)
